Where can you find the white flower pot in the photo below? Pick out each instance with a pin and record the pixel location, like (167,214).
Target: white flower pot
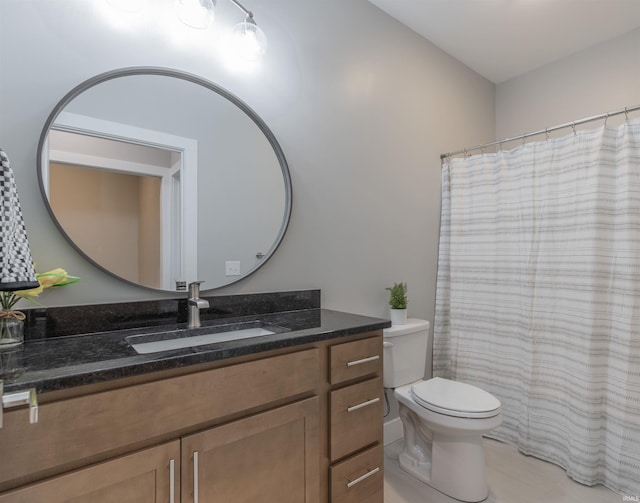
(398,316)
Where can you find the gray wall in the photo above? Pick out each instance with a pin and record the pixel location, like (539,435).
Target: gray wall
(598,80)
(361,105)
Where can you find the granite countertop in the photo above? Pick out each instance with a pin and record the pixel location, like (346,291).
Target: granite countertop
(75,360)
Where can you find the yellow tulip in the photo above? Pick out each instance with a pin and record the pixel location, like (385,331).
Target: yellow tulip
(55,277)
(33,292)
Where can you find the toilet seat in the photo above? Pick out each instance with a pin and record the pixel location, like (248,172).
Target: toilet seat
(455,399)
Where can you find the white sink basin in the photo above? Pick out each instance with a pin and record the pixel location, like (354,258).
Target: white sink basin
(168,341)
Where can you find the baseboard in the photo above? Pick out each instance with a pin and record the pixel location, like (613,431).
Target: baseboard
(392,431)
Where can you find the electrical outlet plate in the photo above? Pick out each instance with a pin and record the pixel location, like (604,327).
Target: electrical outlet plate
(232,268)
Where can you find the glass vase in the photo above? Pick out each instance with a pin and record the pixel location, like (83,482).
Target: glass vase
(11,363)
(11,331)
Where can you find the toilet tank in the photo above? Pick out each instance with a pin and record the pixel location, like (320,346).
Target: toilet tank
(405,352)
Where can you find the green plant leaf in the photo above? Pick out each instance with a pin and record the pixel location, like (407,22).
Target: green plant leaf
(398,296)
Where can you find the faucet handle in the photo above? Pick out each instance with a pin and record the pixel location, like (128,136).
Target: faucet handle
(195,303)
(194,289)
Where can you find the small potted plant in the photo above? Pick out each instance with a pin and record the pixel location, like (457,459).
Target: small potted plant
(398,303)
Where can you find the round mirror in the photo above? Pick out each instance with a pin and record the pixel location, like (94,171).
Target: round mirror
(161,178)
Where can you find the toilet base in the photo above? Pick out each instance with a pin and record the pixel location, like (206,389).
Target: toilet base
(457,470)
(444,452)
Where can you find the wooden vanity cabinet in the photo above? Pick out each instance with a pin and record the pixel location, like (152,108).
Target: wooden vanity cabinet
(272,457)
(81,441)
(259,428)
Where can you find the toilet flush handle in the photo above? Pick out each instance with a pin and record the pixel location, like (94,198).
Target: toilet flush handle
(387,344)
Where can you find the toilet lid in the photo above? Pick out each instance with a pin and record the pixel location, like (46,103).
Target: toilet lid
(455,398)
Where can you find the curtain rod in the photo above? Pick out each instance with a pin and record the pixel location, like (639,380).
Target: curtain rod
(625,111)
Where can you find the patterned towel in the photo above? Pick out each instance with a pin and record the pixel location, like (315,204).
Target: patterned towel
(16,265)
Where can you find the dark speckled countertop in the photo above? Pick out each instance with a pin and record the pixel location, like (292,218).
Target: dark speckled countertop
(65,361)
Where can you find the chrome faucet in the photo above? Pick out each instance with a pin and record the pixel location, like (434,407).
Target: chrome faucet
(195,303)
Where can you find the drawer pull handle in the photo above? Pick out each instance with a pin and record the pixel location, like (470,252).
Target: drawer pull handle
(364,360)
(195,477)
(363,404)
(172,482)
(18,398)
(362,477)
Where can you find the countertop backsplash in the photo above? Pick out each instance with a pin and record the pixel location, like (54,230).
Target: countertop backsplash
(43,323)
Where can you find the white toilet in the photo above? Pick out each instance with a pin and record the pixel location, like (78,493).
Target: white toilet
(443,420)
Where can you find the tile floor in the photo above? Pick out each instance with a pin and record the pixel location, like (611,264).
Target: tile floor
(512,478)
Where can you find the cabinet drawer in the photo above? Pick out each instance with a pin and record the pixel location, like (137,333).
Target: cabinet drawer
(359,479)
(356,417)
(355,359)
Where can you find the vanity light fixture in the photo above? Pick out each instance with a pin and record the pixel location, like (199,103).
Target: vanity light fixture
(249,39)
(250,42)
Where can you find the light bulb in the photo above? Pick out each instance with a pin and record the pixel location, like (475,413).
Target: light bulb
(195,13)
(250,42)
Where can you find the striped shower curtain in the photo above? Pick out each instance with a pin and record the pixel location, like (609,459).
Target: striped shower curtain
(538,296)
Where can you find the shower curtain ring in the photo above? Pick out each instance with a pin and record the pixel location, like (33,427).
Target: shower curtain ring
(546,133)
(606,119)
(573,126)
(626,114)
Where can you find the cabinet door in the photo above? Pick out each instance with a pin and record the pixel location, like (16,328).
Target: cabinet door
(142,477)
(271,457)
